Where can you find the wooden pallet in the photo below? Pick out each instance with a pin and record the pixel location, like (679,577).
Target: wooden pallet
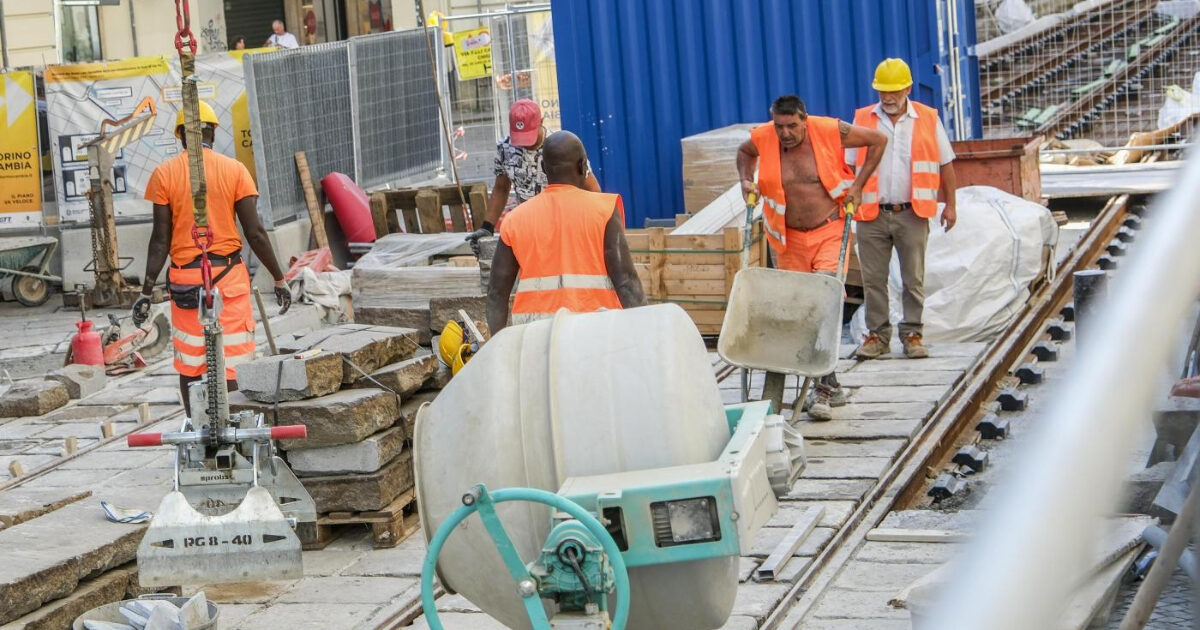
(424,210)
(389,526)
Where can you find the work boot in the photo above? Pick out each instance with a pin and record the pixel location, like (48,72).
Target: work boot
(872,347)
(913,348)
(822,402)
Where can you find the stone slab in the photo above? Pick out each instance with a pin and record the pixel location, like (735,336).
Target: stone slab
(444,309)
(880,576)
(440,378)
(462,621)
(789,512)
(396,562)
(758,600)
(898,394)
(855,378)
(740,622)
(359,493)
(844,467)
(853,448)
(327,562)
(80,380)
(60,613)
(346,590)
(102,459)
(415,318)
(134,396)
(906,553)
(408,411)
(28,462)
(932,364)
(18,505)
(308,616)
(343,417)
(371,349)
(768,538)
(406,377)
(366,456)
(844,604)
(830,489)
(859,429)
(33,398)
(47,557)
(84,412)
(299,379)
(883,411)
(793,569)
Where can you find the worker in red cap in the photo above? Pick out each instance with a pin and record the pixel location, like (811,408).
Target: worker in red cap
(519,165)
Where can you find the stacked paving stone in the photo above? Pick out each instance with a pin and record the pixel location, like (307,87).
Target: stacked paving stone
(357,388)
(38,397)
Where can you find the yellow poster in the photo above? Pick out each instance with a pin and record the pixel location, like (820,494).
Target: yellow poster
(20,174)
(545,73)
(473,53)
(108,70)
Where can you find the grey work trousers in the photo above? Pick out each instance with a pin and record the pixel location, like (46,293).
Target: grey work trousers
(908,234)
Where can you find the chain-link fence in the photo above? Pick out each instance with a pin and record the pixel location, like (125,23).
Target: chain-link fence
(520,65)
(366,107)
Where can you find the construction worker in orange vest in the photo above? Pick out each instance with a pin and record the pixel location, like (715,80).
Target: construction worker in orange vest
(898,201)
(804,182)
(231,191)
(567,244)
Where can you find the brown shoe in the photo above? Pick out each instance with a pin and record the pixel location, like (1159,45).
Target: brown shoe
(872,347)
(913,348)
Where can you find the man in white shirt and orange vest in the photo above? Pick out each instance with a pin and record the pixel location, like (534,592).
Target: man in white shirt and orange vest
(567,244)
(898,201)
(804,182)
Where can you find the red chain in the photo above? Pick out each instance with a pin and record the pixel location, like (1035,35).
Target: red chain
(204,240)
(183,20)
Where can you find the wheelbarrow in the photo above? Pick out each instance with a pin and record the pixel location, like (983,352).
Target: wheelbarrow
(31,280)
(785,322)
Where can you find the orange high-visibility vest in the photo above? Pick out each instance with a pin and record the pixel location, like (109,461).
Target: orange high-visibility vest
(236,318)
(830,155)
(558,240)
(926,166)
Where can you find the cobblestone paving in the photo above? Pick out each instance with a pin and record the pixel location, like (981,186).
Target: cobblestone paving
(1174,609)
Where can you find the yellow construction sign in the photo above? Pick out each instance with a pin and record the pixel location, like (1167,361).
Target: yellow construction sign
(20,174)
(473,53)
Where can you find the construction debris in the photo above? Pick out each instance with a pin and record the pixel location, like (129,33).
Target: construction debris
(33,398)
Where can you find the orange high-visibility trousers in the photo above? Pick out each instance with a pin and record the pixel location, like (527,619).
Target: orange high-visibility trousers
(236,318)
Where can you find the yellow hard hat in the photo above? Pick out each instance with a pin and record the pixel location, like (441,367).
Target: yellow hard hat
(450,342)
(207,115)
(892,75)
(460,359)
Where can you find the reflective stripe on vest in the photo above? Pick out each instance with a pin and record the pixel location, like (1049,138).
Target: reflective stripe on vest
(565,281)
(925,170)
(198,340)
(829,156)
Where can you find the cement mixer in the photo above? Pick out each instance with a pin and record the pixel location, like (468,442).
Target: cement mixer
(625,490)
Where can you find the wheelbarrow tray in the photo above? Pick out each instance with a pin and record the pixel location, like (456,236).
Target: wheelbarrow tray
(783,321)
(17,252)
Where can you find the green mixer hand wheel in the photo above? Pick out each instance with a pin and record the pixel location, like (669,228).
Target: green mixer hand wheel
(478,499)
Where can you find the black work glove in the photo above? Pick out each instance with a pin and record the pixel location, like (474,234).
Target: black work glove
(283,297)
(141,310)
(483,232)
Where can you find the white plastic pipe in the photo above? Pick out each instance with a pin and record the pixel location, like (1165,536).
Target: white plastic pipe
(1030,553)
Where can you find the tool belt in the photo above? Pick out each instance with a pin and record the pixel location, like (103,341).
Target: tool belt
(187,296)
(895,207)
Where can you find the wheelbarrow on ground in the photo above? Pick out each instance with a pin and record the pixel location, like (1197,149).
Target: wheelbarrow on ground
(785,322)
(27,260)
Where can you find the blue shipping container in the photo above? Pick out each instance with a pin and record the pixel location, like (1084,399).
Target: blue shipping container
(637,76)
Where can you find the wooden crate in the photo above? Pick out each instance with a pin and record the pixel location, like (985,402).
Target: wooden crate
(424,210)
(695,271)
(1010,164)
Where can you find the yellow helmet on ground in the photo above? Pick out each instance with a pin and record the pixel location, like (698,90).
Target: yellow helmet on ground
(207,115)
(450,342)
(892,75)
(460,359)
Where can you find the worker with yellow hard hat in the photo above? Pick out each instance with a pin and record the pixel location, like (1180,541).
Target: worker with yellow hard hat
(232,199)
(898,203)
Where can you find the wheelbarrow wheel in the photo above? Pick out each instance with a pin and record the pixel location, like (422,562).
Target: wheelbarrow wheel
(30,291)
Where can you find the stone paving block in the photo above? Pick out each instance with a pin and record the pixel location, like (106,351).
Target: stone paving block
(855,378)
(80,380)
(739,622)
(346,590)
(111,459)
(247,593)
(844,467)
(18,505)
(843,604)
(367,456)
(456,603)
(298,343)
(746,567)
(408,411)
(72,429)
(357,493)
(439,379)
(830,489)
(907,553)
(84,479)
(60,613)
(883,411)
(19,428)
(33,398)
(371,349)
(853,448)
(835,514)
(233,614)
(83,412)
(857,624)
(14,447)
(757,600)
(299,379)
(768,538)
(794,568)
(932,364)
(898,394)
(54,447)
(29,462)
(328,562)
(462,621)
(308,616)
(134,396)
(405,377)
(444,309)
(343,417)
(880,576)
(396,562)
(859,429)
(47,557)
(416,319)
(157,412)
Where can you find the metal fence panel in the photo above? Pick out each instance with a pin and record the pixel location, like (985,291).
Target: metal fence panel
(398,123)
